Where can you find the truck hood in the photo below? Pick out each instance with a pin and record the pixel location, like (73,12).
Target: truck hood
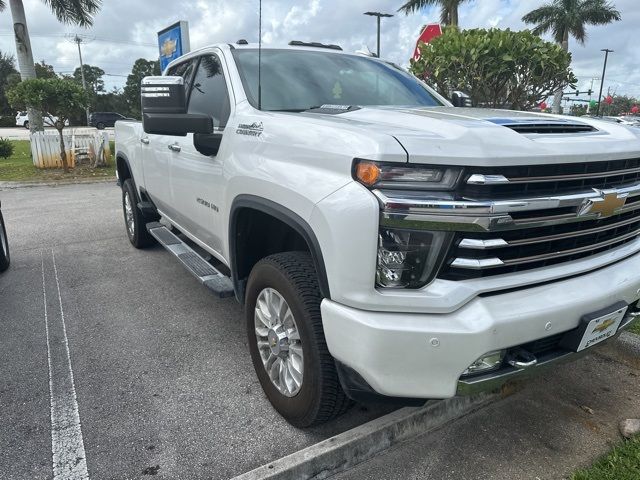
(470,136)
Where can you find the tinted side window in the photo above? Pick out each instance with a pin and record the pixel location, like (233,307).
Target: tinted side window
(209,94)
(184,70)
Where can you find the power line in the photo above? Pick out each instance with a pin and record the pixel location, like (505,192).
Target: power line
(98,39)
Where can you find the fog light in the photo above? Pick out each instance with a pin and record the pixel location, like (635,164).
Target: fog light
(490,361)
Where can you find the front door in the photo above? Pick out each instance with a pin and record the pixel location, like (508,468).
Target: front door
(196,179)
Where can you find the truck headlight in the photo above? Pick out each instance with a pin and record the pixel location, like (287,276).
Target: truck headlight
(405,176)
(409,258)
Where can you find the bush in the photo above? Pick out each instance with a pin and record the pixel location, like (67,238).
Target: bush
(498,68)
(7,121)
(6,148)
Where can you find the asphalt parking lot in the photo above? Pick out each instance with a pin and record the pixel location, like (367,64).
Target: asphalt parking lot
(157,378)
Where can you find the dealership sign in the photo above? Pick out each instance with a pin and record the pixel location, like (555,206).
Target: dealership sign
(429,32)
(173,42)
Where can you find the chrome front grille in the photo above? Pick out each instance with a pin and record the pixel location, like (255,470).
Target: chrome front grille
(553,179)
(479,255)
(579,210)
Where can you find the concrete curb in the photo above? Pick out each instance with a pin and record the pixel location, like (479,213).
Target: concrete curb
(342,452)
(16,185)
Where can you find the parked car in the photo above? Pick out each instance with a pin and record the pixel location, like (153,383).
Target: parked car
(4,245)
(385,243)
(101,120)
(22,120)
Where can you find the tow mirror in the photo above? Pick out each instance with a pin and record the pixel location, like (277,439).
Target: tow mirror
(164,108)
(461,99)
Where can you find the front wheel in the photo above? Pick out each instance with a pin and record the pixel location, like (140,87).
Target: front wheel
(286,340)
(26,124)
(4,246)
(133,218)
(100,126)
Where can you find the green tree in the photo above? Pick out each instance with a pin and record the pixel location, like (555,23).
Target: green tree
(622,105)
(77,12)
(44,70)
(498,68)
(448,9)
(141,68)
(578,109)
(93,77)
(565,18)
(7,72)
(59,97)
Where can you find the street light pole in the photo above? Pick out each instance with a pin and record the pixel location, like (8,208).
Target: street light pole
(77,39)
(379,16)
(604,70)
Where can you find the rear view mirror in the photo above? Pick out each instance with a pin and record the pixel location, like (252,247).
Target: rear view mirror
(461,99)
(164,108)
(163,95)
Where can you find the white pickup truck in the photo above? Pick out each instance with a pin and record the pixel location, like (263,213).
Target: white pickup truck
(384,243)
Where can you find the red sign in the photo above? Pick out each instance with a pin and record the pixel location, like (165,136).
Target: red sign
(543,106)
(634,109)
(429,32)
(608,100)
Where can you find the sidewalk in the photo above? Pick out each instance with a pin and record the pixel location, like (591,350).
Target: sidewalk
(553,426)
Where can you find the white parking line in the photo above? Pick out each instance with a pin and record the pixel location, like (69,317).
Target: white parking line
(67,445)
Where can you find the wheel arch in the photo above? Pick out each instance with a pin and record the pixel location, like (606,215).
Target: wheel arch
(240,271)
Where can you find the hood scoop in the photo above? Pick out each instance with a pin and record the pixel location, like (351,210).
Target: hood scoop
(543,126)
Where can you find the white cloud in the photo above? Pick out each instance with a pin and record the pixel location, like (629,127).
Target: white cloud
(126,29)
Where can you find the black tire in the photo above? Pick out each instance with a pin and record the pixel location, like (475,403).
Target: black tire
(26,124)
(138,235)
(100,126)
(320,398)
(5,258)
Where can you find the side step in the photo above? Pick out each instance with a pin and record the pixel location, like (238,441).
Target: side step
(206,273)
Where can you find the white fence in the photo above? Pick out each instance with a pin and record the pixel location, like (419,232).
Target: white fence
(80,144)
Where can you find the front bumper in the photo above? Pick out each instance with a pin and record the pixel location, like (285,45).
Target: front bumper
(423,355)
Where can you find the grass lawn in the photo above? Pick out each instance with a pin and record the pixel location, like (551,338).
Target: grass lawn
(622,463)
(19,168)
(635,328)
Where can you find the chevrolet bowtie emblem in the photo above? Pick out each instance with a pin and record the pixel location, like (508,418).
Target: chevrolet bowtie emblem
(606,205)
(169,47)
(602,327)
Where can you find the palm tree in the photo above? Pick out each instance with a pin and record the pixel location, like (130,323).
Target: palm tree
(78,12)
(564,18)
(448,9)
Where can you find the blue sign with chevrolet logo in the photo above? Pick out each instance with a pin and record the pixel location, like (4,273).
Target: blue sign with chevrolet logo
(173,42)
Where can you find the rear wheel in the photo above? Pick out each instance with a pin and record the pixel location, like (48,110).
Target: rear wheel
(100,126)
(26,124)
(133,218)
(287,343)
(4,246)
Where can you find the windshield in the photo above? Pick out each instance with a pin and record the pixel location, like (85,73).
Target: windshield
(297,80)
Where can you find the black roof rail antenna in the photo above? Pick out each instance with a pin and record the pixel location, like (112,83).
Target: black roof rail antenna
(242,41)
(298,43)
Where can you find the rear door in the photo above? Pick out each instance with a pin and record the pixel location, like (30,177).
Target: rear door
(157,153)
(196,179)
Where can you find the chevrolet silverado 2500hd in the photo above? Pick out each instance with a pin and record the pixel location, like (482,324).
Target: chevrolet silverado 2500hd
(384,243)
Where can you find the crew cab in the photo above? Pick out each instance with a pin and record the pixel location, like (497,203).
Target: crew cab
(385,244)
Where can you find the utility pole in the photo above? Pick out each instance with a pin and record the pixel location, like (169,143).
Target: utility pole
(379,16)
(604,70)
(77,39)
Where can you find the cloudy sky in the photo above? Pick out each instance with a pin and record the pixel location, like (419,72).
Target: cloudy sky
(125,30)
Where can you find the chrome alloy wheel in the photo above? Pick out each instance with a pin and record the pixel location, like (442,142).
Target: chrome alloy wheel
(128,214)
(279,342)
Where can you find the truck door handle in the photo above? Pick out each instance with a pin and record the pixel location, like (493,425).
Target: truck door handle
(145,141)
(174,147)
